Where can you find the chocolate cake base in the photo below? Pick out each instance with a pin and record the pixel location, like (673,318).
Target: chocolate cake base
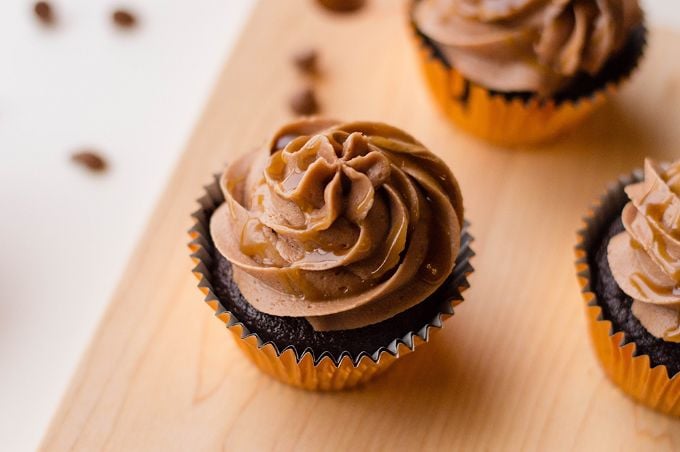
(616,306)
(297,332)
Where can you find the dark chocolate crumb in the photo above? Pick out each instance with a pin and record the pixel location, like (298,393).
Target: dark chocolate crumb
(124,19)
(342,6)
(306,60)
(297,332)
(304,102)
(90,160)
(43,11)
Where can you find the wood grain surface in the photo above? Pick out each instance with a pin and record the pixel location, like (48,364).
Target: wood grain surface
(513,369)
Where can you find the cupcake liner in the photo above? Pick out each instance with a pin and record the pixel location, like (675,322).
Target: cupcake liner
(303,368)
(511,119)
(630,371)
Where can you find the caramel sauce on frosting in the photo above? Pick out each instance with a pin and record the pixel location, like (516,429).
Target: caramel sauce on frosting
(346,224)
(527,45)
(645,258)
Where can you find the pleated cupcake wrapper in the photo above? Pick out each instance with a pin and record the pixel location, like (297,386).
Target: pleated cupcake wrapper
(302,368)
(501,120)
(632,372)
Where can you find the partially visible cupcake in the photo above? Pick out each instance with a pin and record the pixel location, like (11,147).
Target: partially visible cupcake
(629,267)
(333,250)
(523,71)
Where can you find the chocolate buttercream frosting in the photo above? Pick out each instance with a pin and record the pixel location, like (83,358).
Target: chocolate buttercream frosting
(345,224)
(527,45)
(645,258)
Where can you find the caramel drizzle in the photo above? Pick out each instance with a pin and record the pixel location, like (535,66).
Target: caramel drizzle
(648,288)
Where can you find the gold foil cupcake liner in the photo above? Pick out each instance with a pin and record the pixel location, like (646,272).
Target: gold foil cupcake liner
(630,371)
(510,120)
(304,369)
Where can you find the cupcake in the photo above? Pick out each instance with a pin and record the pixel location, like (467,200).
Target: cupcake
(524,71)
(333,250)
(628,260)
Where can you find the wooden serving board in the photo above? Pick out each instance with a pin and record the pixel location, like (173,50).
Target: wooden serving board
(513,369)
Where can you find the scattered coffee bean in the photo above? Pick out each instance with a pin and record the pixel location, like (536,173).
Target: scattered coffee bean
(90,160)
(44,13)
(306,60)
(304,102)
(342,6)
(124,19)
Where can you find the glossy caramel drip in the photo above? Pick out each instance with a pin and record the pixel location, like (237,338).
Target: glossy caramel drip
(636,245)
(649,288)
(276,167)
(656,211)
(298,284)
(292,180)
(672,177)
(254,244)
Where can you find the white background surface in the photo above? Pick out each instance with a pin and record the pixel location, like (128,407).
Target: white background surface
(134,96)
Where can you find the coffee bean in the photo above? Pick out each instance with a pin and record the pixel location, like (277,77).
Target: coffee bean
(124,19)
(306,60)
(90,160)
(304,102)
(43,12)
(342,6)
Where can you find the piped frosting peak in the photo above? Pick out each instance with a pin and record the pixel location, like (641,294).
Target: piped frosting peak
(527,45)
(346,224)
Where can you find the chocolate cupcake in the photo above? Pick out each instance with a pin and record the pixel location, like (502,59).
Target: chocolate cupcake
(523,72)
(629,268)
(333,250)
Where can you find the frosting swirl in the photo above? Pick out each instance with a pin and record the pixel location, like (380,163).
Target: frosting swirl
(344,224)
(527,45)
(645,258)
